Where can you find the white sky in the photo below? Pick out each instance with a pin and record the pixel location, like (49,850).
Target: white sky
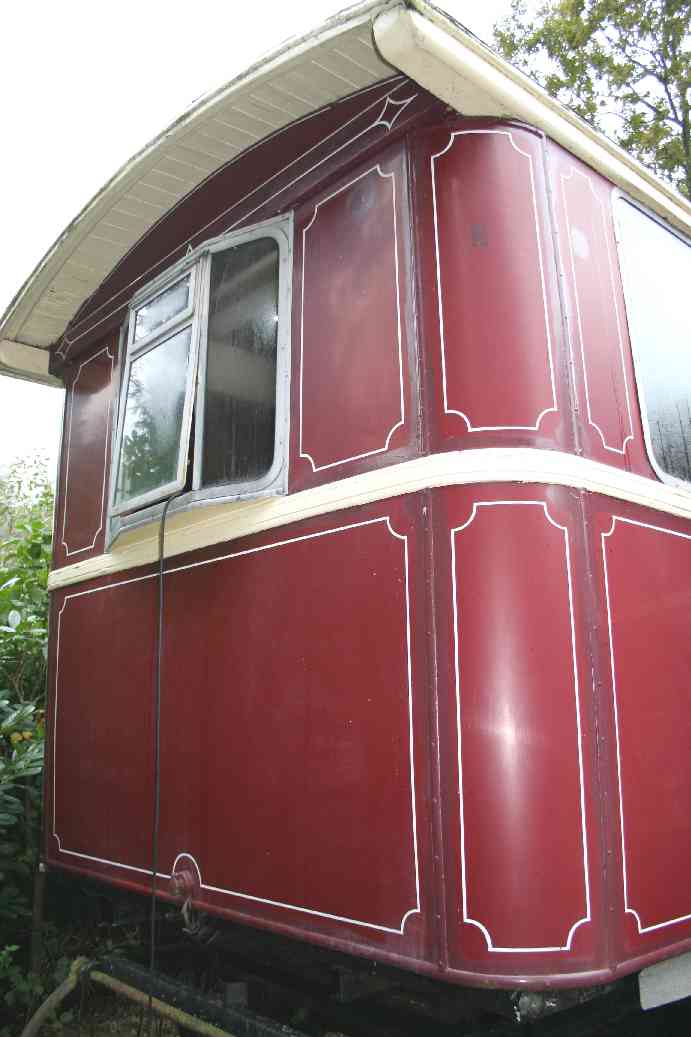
(83,87)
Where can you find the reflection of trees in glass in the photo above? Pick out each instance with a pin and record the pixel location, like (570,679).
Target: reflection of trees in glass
(153,418)
(148,457)
(240,385)
(162,308)
(657,276)
(671,435)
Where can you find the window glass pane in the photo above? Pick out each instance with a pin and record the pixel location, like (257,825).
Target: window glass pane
(657,279)
(240,401)
(162,308)
(152,425)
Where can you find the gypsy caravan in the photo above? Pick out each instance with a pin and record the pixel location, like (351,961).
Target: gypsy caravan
(374,515)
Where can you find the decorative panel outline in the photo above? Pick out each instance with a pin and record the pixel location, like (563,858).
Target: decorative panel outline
(390,109)
(106,449)
(630,436)
(467,918)
(409,670)
(344,460)
(553,409)
(627,907)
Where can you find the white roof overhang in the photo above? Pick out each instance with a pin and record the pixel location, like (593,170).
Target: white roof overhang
(456,67)
(351,51)
(25,362)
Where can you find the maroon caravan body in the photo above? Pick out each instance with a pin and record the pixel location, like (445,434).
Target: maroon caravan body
(404,342)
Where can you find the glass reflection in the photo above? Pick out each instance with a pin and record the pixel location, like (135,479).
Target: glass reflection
(162,308)
(657,269)
(152,424)
(240,401)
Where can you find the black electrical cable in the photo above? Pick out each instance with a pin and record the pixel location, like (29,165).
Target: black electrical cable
(157,748)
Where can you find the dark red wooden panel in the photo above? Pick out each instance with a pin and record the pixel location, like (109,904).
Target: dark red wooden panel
(518,843)
(101,724)
(86,458)
(497,354)
(647,576)
(304,794)
(291,690)
(609,417)
(353,395)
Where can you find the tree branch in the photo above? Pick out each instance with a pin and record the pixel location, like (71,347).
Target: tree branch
(670,99)
(648,104)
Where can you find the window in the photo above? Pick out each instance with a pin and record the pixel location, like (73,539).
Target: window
(204,404)
(656,268)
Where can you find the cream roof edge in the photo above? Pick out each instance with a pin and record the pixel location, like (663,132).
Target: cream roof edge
(20,361)
(411,36)
(429,46)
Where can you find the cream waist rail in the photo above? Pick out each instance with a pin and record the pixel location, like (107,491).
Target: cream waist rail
(212,523)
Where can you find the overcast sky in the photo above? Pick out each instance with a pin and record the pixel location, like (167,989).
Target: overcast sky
(84,86)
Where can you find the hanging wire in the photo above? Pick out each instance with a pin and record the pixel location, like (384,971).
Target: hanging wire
(157,751)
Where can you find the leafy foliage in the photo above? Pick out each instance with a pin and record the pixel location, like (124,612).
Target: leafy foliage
(26,505)
(74,916)
(625,67)
(21,764)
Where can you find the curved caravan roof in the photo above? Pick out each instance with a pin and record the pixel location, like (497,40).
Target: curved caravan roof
(359,47)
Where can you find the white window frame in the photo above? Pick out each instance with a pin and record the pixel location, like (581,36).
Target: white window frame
(148,506)
(616,197)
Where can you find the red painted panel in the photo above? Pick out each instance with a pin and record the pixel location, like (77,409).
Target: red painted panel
(353,398)
(287,728)
(88,418)
(519,885)
(497,353)
(609,417)
(647,586)
(101,720)
(305,747)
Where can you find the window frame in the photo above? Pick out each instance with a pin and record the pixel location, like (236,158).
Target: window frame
(149,506)
(136,350)
(255,486)
(616,196)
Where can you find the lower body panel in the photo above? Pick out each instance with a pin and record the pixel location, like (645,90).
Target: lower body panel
(447,731)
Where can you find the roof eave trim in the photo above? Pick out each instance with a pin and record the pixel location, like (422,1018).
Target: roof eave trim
(19,309)
(424,44)
(29,363)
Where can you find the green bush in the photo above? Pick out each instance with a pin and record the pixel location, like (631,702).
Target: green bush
(26,507)
(26,510)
